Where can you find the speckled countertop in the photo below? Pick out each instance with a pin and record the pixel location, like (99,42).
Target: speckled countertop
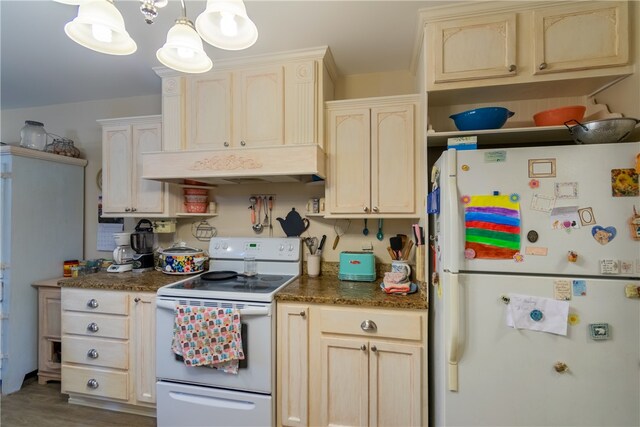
(148,281)
(328,289)
(325,289)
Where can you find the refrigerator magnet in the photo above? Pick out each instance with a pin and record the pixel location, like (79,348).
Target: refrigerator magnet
(599,331)
(603,235)
(579,288)
(624,183)
(532,236)
(573,318)
(586,216)
(609,266)
(536,315)
(562,290)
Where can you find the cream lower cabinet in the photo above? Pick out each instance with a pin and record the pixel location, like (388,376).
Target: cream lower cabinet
(372,157)
(351,366)
(108,342)
(124,192)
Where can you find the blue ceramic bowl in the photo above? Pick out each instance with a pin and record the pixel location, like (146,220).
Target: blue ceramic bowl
(482,118)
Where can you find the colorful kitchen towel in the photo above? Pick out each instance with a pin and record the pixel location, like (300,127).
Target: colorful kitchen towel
(396,282)
(208,336)
(492,227)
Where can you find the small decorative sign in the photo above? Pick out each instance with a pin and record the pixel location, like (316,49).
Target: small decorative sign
(599,331)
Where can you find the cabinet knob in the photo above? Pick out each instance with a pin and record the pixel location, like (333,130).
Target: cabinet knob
(93,353)
(92,383)
(136,300)
(226,144)
(561,367)
(133,209)
(363,347)
(93,327)
(127,209)
(243,143)
(365,208)
(375,209)
(512,68)
(93,303)
(303,314)
(542,66)
(368,325)
(374,348)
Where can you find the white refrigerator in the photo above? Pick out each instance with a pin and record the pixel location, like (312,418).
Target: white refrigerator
(534,311)
(41,226)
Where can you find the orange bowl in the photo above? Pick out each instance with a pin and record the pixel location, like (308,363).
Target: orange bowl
(558,116)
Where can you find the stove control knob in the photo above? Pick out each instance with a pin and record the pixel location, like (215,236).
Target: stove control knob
(225,246)
(290,247)
(281,247)
(217,246)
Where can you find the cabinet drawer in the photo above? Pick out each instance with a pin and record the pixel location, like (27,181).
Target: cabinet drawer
(399,325)
(107,383)
(108,353)
(95,301)
(95,325)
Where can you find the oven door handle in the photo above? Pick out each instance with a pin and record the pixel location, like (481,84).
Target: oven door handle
(263,311)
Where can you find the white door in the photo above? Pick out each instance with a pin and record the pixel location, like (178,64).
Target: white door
(574,177)
(507,377)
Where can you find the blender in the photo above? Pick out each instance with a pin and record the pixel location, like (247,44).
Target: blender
(142,243)
(122,254)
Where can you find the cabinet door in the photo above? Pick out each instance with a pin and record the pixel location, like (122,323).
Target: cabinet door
(392,159)
(49,312)
(293,360)
(209,117)
(395,384)
(117,166)
(344,382)
(148,195)
(259,106)
(474,48)
(580,36)
(144,342)
(349,159)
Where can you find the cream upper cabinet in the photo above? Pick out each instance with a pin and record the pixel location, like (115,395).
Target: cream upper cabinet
(471,45)
(372,157)
(580,36)
(124,192)
(345,365)
(267,100)
(236,109)
(474,48)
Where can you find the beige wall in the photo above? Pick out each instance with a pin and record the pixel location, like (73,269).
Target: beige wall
(375,84)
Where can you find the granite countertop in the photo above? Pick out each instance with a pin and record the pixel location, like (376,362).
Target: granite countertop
(328,289)
(148,281)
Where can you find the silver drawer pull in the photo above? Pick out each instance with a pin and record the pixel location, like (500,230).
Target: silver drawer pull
(93,303)
(93,327)
(92,383)
(93,353)
(368,325)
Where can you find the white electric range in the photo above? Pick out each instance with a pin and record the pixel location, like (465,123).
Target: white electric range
(197,396)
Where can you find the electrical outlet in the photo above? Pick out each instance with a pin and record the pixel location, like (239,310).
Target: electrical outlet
(367,246)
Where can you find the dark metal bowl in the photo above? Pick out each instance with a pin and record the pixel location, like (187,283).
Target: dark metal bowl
(601,131)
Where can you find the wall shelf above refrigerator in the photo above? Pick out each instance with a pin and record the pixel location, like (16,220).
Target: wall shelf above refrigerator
(505,136)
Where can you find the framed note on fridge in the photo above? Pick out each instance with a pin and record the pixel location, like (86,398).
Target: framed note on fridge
(542,168)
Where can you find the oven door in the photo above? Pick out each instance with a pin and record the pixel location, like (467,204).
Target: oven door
(255,372)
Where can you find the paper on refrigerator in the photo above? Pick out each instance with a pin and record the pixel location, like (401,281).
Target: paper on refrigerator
(537,314)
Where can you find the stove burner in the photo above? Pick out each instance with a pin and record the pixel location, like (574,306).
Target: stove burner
(271,278)
(250,286)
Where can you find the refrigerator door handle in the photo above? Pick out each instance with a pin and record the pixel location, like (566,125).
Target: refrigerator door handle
(454,330)
(452,197)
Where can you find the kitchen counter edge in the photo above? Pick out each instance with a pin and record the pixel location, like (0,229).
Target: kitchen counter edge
(148,281)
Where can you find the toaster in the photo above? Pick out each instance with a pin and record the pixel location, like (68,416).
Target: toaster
(357,266)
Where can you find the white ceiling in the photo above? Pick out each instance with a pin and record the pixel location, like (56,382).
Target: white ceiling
(41,66)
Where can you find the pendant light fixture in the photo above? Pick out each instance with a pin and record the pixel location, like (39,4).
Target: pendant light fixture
(225,25)
(183,50)
(100,27)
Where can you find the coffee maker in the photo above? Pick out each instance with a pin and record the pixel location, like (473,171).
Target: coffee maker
(142,243)
(122,254)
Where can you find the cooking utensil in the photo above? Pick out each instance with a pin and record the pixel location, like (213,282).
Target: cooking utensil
(221,275)
(380,235)
(270,216)
(481,118)
(257,227)
(602,131)
(558,116)
(321,245)
(312,244)
(365,230)
(265,222)
(396,246)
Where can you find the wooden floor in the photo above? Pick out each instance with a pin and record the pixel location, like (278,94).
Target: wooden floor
(44,405)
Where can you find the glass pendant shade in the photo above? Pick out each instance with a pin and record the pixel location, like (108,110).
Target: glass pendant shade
(100,27)
(225,25)
(73,2)
(183,50)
